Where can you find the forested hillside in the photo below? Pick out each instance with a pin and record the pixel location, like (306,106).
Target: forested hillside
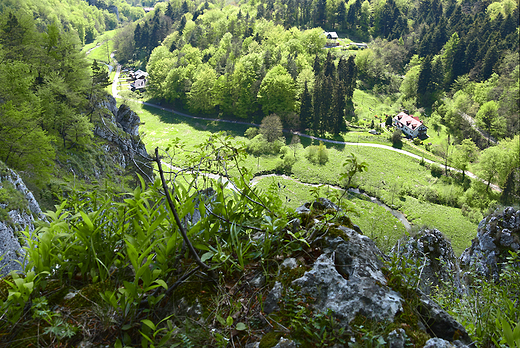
(428,54)
(453,64)
(51,94)
(77,15)
(200,256)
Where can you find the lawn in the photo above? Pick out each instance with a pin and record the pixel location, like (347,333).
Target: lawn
(101,47)
(369,107)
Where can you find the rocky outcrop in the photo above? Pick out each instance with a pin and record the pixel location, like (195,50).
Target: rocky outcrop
(18,213)
(497,234)
(350,281)
(120,127)
(433,252)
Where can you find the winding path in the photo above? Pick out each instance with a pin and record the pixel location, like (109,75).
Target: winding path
(386,147)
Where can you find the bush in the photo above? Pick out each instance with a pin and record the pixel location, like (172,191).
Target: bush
(436,170)
(287,160)
(318,154)
(258,145)
(397,138)
(251,132)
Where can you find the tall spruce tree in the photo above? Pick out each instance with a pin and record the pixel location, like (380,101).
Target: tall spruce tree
(306,110)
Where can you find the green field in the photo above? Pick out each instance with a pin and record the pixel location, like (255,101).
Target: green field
(101,48)
(390,176)
(374,221)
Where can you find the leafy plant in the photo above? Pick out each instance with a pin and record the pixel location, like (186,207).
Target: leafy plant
(21,289)
(489,310)
(151,332)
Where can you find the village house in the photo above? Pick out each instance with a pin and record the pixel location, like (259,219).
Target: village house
(140,79)
(410,125)
(332,38)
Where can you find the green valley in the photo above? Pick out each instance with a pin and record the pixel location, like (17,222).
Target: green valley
(279,173)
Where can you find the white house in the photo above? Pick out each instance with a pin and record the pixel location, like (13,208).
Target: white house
(410,125)
(332,38)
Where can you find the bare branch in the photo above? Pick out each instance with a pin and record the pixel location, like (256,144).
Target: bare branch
(176,215)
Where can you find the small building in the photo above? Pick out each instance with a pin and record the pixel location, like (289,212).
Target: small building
(410,125)
(138,75)
(138,84)
(332,38)
(359,45)
(140,79)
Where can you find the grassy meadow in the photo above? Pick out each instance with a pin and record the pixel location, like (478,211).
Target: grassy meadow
(101,47)
(391,176)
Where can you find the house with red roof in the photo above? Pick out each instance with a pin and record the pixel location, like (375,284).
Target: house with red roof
(410,125)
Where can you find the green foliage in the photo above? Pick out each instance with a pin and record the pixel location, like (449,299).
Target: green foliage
(11,197)
(44,102)
(352,167)
(318,154)
(307,327)
(271,127)
(489,308)
(396,138)
(251,132)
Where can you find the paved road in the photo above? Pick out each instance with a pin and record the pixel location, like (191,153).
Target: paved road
(386,147)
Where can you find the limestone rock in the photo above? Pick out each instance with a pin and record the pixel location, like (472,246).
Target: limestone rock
(285,343)
(440,343)
(120,127)
(497,234)
(271,302)
(439,323)
(436,257)
(128,120)
(350,281)
(397,339)
(19,220)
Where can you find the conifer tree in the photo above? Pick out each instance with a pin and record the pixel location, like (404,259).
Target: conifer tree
(329,68)
(306,110)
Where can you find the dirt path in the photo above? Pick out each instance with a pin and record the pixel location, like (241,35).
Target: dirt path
(471,121)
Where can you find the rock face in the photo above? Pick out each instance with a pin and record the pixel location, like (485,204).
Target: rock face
(438,262)
(347,281)
(120,127)
(19,219)
(497,234)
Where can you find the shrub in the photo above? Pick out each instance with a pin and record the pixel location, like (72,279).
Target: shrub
(251,132)
(258,145)
(287,160)
(397,138)
(318,154)
(436,170)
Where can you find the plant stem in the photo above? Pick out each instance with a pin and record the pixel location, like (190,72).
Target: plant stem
(176,215)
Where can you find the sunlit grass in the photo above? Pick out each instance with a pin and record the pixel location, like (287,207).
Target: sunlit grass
(388,172)
(374,221)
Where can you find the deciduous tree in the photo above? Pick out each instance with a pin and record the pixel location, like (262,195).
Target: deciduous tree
(271,127)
